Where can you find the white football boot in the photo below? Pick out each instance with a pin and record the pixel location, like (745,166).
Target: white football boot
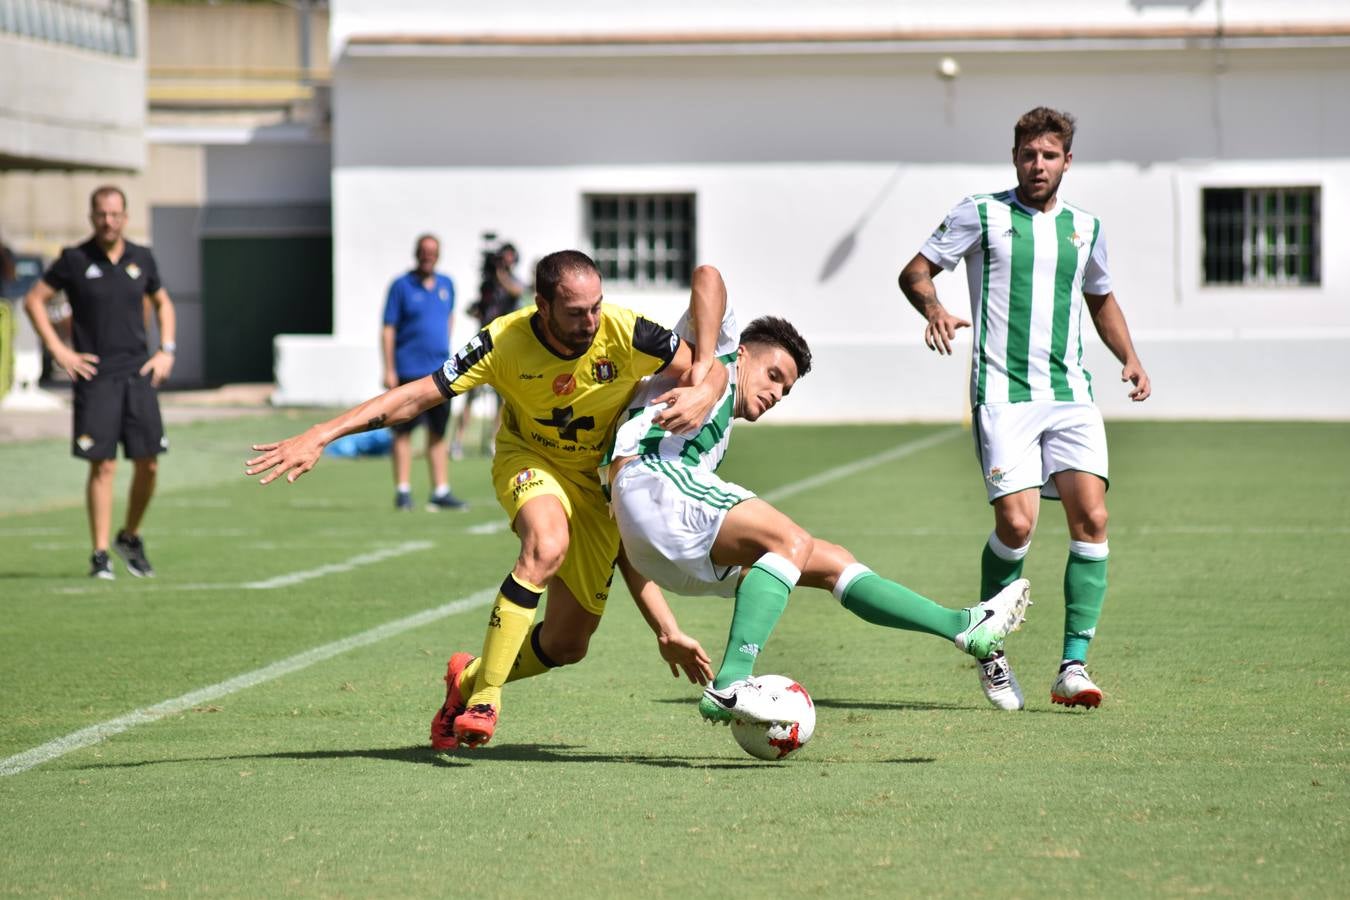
(999,683)
(1073,687)
(739,700)
(994,619)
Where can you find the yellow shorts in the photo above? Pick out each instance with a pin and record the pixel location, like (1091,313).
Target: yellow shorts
(520,475)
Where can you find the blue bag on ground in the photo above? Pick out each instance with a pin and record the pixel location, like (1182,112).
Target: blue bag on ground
(366,443)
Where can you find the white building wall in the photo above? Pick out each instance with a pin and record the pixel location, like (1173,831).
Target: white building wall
(818,173)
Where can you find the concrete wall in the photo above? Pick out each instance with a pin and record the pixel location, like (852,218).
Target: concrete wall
(66,107)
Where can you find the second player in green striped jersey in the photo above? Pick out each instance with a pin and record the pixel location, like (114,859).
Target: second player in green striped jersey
(1028,270)
(1034,264)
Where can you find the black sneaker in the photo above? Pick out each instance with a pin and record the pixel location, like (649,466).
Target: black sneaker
(445,501)
(403,500)
(100,566)
(132,551)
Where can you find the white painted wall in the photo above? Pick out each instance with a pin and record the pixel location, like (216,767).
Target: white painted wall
(840,164)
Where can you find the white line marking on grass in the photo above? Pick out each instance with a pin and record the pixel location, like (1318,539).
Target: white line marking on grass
(862,465)
(286,580)
(364,559)
(493,527)
(94,734)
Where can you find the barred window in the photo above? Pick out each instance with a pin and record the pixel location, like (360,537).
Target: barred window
(1263,236)
(642,240)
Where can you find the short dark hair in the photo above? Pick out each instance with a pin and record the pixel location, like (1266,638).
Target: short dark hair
(548,274)
(508,246)
(105,190)
(1044,120)
(777,332)
(417,244)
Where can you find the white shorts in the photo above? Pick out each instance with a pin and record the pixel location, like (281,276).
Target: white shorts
(1021,445)
(669,515)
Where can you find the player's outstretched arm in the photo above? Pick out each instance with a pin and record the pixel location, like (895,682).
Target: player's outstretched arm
(679,650)
(296,455)
(700,378)
(1115,334)
(916,282)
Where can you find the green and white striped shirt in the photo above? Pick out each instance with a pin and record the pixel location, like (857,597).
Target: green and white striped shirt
(704,447)
(1028,271)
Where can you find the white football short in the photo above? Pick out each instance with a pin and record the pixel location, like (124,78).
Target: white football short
(669,515)
(1021,445)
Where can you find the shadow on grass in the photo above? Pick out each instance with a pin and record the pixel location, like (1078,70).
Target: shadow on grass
(537,753)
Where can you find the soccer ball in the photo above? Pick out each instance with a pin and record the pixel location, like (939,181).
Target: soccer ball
(779,739)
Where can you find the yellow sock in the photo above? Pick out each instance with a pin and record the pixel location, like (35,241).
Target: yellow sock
(529,663)
(512,616)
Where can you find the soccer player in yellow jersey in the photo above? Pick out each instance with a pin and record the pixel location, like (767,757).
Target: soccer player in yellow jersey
(565,369)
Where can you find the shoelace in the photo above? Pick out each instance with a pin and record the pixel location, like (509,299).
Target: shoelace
(997,672)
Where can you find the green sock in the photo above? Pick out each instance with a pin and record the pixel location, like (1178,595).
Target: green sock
(883,602)
(1084,594)
(996,573)
(760,600)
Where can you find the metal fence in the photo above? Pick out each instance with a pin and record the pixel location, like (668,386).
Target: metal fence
(101,26)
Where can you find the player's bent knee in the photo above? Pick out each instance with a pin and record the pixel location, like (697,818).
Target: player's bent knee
(565,651)
(796,546)
(543,556)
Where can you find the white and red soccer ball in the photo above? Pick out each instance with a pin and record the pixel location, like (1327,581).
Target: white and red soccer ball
(795,720)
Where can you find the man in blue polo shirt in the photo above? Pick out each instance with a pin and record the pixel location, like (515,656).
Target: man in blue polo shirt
(416,342)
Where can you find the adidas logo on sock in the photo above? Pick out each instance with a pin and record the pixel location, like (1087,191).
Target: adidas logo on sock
(750,649)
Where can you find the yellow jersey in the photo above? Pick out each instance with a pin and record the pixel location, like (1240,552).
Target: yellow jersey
(563,407)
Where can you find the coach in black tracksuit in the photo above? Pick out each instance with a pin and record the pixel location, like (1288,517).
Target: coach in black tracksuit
(107,280)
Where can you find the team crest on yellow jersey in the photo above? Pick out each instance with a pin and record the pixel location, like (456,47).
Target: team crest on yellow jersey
(604,371)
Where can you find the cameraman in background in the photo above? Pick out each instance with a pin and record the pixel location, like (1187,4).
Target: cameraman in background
(499,292)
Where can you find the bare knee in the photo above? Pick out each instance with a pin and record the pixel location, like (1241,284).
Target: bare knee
(147,467)
(542,556)
(1015,528)
(102,469)
(794,545)
(1092,525)
(826,563)
(563,647)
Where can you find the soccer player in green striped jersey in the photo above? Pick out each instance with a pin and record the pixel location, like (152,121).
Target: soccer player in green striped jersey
(1033,264)
(688,530)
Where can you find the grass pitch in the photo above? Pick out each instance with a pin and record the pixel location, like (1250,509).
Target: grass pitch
(1217,764)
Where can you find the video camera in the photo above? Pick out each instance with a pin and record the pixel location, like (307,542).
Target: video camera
(493,299)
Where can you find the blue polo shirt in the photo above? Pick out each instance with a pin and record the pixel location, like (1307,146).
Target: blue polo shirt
(421,321)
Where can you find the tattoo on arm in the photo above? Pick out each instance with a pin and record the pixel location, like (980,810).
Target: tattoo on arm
(377,422)
(919,290)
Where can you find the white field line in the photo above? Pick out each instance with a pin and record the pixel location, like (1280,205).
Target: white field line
(94,734)
(861,465)
(87,737)
(290,578)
